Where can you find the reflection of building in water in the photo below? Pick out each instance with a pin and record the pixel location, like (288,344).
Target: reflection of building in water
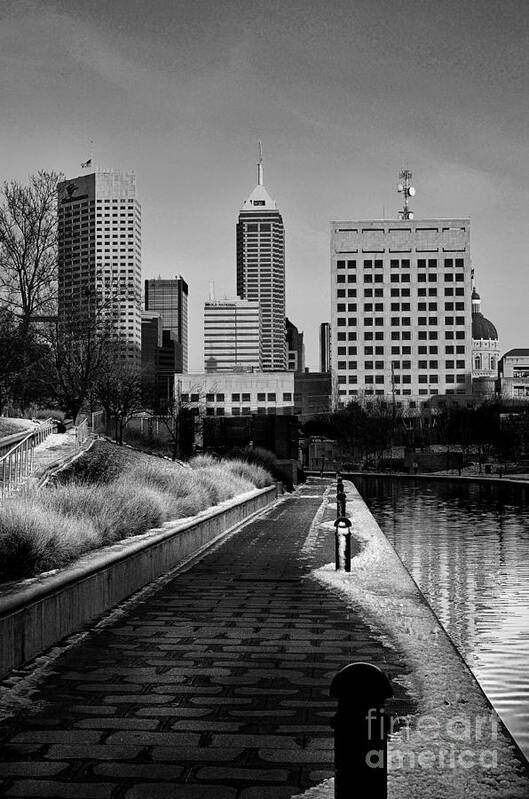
(456,569)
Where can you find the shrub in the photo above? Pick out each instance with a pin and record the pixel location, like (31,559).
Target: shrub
(250,472)
(34,538)
(267,460)
(107,494)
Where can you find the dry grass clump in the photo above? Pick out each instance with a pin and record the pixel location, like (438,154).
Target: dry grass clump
(106,495)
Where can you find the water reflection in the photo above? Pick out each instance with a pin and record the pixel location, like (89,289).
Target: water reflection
(467,547)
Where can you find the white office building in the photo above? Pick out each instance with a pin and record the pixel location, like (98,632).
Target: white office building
(232,336)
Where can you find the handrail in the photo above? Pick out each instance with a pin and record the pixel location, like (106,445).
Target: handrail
(81,432)
(16,464)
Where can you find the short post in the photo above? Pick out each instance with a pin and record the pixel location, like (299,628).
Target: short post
(343,543)
(360,731)
(341,498)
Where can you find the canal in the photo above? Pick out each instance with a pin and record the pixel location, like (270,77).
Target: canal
(467,547)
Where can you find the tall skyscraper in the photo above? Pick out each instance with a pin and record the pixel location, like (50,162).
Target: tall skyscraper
(99,253)
(325,347)
(232,335)
(169,298)
(401,307)
(261,268)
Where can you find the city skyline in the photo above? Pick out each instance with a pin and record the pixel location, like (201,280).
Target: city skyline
(335,131)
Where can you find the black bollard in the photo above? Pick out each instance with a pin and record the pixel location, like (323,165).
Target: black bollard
(341,498)
(360,732)
(343,543)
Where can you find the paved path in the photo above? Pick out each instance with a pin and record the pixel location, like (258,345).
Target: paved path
(214,687)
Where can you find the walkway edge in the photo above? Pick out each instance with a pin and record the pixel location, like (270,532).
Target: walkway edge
(38,613)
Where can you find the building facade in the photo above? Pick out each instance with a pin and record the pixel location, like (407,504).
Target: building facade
(325,347)
(232,335)
(513,382)
(295,348)
(169,298)
(261,269)
(401,309)
(312,394)
(237,393)
(99,254)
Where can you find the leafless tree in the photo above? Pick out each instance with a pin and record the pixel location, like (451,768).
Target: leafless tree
(28,246)
(118,389)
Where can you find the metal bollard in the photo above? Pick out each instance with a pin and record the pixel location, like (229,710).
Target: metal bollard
(360,731)
(341,498)
(343,543)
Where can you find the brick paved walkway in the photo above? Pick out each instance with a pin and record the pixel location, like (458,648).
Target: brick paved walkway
(215,687)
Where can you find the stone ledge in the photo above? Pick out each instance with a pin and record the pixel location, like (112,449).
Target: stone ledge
(37,613)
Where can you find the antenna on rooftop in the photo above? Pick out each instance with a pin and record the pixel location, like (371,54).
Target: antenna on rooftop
(404,187)
(260,165)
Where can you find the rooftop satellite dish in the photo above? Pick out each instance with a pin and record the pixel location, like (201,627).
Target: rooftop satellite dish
(411,191)
(400,187)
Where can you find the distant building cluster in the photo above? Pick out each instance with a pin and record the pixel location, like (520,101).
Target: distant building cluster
(405,322)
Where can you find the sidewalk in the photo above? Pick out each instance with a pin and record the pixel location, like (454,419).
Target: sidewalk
(214,687)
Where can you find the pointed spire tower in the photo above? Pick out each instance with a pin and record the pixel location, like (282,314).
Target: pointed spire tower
(261,267)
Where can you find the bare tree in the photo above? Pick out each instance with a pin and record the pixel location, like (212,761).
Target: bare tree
(118,389)
(28,246)
(78,347)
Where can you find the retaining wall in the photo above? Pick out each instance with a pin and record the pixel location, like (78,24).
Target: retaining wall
(37,613)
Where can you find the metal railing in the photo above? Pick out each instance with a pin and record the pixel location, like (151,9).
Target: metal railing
(81,433)
(17,463)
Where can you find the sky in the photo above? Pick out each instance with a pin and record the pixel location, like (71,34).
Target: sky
(342,93)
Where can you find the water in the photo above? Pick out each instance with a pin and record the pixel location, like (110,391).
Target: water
(467,547)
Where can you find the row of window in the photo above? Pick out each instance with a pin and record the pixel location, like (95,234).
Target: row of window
(402,263)
(341,307)
(370,380)
(397,321)
(370,365)
(397,335)
(405,292)
(270,396)
(422,277)
(406,350)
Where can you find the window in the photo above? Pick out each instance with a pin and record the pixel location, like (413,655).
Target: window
(261,397)
(368,364)
(352,365)
(246,398)
(185,398)
(235,397)
(271,396)
(209,397)
(220,411)
(287,396)
(194,397)
(340,278)
(236,411)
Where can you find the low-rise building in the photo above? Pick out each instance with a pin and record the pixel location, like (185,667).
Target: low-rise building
(237,393)
(513,382)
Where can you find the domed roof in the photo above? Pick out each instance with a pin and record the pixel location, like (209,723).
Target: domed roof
(475,295)
(483,327)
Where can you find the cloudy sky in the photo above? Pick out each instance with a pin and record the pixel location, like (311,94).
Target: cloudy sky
(343,94)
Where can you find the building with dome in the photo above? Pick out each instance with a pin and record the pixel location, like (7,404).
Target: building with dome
(485,350)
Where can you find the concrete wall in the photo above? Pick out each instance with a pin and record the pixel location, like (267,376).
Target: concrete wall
(38,613)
